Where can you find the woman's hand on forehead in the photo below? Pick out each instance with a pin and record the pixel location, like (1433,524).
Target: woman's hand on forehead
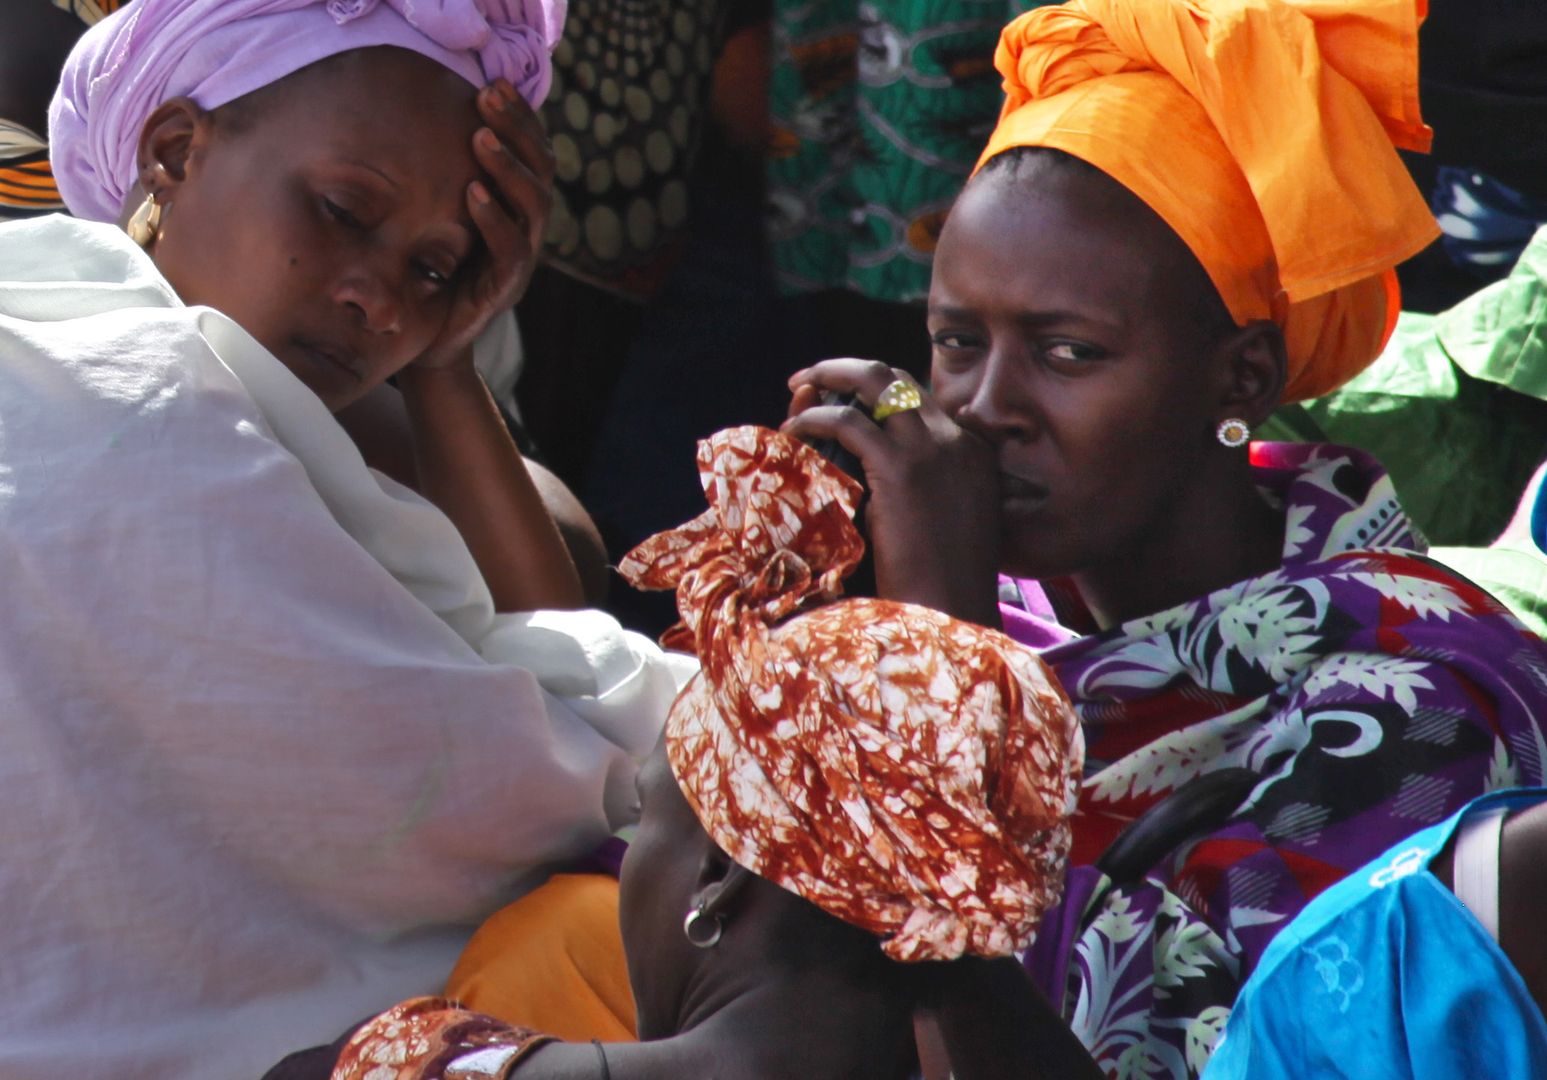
(510,209)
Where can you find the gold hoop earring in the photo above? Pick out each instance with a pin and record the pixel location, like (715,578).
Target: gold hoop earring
(145,225)
(1233,432)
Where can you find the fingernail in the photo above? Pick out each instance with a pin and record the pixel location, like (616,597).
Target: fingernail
(490,140)
(479,192)
(507,91)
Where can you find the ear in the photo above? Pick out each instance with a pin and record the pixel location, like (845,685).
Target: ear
(1254,366)
(169,143)
(721,880)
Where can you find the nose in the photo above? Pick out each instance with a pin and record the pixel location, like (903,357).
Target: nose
(1000,405)
(373,298)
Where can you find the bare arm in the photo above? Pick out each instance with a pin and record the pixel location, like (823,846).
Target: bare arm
(1522,882)
(379,425)
(468,466)
(463,454)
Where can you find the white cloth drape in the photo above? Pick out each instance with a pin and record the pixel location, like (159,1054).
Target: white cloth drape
(268,753)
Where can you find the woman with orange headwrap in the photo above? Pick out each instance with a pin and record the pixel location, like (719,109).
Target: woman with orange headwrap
(845,792)
(1188,213)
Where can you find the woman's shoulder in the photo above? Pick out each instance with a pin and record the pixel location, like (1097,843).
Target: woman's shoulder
(86,266)
(90,325)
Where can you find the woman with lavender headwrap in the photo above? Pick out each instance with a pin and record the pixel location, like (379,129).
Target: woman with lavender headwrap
(275,738)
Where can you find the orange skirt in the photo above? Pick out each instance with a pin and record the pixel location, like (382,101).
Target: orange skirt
(552,961)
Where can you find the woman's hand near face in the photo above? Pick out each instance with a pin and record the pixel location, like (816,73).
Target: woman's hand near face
(517,161)
(467,463)
(933,515)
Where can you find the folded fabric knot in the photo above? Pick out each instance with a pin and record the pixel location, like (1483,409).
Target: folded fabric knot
(1264,132)
(345,10)
(779,532)
(906,772)
(215,51)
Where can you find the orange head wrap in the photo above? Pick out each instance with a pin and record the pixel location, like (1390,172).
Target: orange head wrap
(911,774)
(1262,132)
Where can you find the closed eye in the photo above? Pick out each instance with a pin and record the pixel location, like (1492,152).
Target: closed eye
(340,214)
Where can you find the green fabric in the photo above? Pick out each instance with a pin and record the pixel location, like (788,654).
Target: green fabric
(1514,568)
(1455,408)
(1499,335)
(880,110)
(1516,575)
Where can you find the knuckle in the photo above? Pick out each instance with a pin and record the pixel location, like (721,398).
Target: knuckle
(854,417)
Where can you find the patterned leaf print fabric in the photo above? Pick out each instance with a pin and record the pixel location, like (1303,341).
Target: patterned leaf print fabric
(880,110)
(906,772)
(1373,691)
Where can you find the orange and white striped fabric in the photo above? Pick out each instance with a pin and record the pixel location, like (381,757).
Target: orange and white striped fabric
(26,181)
(27,185)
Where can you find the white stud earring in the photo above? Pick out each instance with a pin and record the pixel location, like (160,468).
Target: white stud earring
(1233,432)
(145,225)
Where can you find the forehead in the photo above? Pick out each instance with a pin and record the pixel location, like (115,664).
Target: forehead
(1062,239)
(391,104)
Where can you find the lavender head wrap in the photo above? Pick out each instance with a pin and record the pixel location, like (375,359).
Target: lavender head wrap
(215,51)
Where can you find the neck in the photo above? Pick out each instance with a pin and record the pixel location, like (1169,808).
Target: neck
(1227,532)
(844,1027)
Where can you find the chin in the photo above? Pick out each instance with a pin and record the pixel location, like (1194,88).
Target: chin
(1022,556)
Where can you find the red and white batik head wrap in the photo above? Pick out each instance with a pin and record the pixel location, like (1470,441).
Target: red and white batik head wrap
(906,772)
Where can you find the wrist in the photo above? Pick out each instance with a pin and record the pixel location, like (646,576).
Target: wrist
(457,374)
(436,361)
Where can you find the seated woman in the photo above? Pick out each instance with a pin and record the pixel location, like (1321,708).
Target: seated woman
(1187,213)
(1437,948)
(853,805)
(274,739)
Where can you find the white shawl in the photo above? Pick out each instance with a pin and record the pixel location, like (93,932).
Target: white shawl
(268,753)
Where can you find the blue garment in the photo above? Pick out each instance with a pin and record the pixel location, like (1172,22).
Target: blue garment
(1387,974)
(1539,517)
(1485,224)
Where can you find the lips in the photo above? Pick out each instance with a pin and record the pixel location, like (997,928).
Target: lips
(331,355)
(1018,495)
(1015,487)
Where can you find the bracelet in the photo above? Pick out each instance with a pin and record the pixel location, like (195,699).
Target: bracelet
(602,1056)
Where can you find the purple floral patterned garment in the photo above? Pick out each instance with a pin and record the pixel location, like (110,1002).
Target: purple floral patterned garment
(1371,691)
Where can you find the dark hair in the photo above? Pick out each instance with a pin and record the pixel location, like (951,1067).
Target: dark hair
(1026,162)
(240,115)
